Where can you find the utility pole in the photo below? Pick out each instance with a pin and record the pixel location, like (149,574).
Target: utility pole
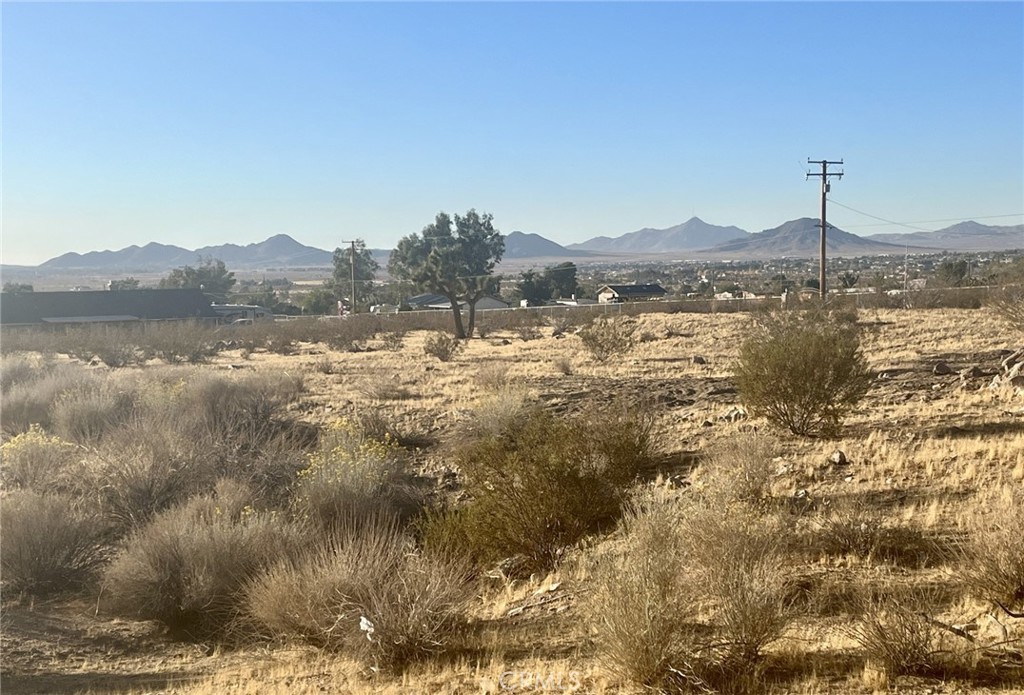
(825,188)
(352,258)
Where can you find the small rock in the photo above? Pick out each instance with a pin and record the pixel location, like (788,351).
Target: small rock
(698,359)
(506,341)
(971,372)
(734,414)
(838,458)
(801,494)
(707,423)
(941,368)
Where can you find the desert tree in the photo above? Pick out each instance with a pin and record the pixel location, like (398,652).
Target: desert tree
(562,279)
(533,288)
(211,276)
(455,257)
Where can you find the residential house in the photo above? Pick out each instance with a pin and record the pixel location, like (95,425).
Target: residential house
(630,293)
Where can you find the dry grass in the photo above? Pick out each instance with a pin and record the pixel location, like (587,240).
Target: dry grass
(928,454)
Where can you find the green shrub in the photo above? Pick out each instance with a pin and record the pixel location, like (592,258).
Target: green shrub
(606,338)
(49,544)
(543,486)
(189,566)
(443,346)
(365,591)
(803,372)
(353,476)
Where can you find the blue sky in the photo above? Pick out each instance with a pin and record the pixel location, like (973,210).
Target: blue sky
(206,123)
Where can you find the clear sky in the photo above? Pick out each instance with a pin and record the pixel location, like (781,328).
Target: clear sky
(206,123)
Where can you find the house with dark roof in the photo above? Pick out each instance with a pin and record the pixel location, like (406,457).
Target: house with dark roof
(630,293)
(27,308)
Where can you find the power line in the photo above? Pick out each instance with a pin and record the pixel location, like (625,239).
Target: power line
(907,224)
(876,217)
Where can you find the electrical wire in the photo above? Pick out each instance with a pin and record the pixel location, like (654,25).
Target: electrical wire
(948,219)
(910,225)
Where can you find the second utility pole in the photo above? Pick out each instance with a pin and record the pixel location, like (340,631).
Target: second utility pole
(352,308)
(825,173)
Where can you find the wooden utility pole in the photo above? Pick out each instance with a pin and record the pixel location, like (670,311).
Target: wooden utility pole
(825,187)
(352,258)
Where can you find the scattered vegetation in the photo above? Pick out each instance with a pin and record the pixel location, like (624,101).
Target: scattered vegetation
(492,510)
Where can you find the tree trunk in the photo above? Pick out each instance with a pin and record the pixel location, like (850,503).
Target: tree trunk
(460,332)
(472,314)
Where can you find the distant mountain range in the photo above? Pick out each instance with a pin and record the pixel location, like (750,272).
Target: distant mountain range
(800,239)
(524,245)
(691,235)
(796,238)
(965,236)
(280,250)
